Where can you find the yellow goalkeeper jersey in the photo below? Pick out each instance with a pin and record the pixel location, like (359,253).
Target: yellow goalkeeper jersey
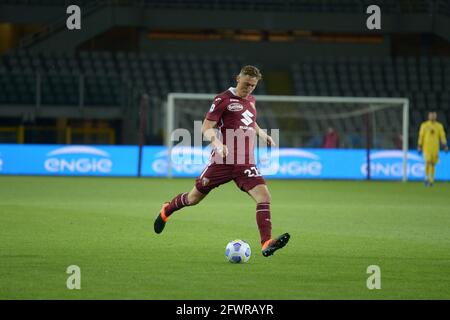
(429,135)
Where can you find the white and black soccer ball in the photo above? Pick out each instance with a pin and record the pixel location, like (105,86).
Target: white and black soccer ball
(238,251)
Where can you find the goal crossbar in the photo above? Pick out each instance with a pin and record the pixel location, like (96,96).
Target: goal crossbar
(398,102)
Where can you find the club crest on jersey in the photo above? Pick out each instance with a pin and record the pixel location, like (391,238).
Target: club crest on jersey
(235,107)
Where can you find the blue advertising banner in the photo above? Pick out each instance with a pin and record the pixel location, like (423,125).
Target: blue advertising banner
(284,163)
(290,163)
(186,161)
(70,160)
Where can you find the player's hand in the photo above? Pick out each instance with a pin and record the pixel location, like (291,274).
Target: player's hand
(270,141)
(222,150)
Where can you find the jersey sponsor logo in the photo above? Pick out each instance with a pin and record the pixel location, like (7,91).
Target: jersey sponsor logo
(389,164)
(78,159)
(217,99)
(246,128)
(235,107)
(247,117)
(234,100)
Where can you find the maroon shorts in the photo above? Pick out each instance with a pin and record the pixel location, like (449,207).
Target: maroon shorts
(246,177)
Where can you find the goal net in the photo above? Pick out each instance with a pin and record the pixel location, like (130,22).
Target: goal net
(317,137)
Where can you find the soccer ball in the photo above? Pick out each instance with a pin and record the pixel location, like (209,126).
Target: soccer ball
(238,251)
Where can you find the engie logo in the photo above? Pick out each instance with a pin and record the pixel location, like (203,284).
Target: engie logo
(389,164)
(291,163)
(185,161)
(78,159)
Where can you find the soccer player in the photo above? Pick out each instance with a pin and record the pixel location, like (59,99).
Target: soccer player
(233,114)
(430,134)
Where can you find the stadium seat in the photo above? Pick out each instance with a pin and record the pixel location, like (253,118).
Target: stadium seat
(349,75)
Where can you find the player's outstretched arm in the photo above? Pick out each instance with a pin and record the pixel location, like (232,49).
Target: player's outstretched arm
(209,131)
(263,134)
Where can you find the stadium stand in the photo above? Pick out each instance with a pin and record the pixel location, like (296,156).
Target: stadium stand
(111,78)
(104,77)
(103,74)
(425,81)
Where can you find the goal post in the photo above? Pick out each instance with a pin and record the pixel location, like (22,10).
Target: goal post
(301,120)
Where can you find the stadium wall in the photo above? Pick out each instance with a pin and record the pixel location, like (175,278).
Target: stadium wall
(105,17)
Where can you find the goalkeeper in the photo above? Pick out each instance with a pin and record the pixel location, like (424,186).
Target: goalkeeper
(430,134)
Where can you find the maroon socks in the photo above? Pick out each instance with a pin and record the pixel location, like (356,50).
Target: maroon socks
(263,221)
(177,203)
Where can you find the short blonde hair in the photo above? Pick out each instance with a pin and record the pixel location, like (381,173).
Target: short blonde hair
(251,71)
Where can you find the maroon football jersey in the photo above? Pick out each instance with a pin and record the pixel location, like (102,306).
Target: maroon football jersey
(236,121)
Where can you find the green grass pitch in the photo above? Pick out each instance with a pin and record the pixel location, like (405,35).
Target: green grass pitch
(338,229)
